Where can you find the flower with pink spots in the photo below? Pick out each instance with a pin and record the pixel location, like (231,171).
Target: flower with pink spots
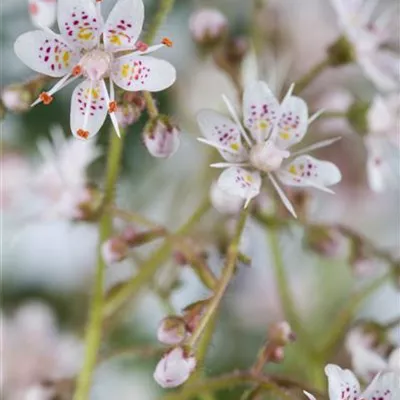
(270,129)
(95,50)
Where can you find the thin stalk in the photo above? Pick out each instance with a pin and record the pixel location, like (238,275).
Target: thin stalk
(303,82)
(93,329)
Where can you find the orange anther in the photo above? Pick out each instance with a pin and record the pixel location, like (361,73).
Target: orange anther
(46,98)
(77,70)
(141,46)
(112,106)
(167,42)
(83,134)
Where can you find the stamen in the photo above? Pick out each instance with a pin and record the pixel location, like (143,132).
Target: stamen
(82,133)
(45,98)
(167,42)
(112,106)
(77,70)
(141,46)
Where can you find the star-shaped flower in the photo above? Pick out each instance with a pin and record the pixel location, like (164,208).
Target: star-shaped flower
(89,48)
(273,128)
(370,31)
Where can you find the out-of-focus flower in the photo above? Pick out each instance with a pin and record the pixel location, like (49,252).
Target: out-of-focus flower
(208,26)
(16,98)
(172,330)
(42,12)
(344,385)
(274,128)
(223,201)
(114,250)
(174,368)
(60,183)
(326,241)
(77,52)
(34,352)
(369,32)
(383,142)
(161,137)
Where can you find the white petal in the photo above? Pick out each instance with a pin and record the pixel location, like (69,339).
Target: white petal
(225,202)
(260,110)
(385,386)
(79,22)
(366,362)
(293,122)
(309,171)
(309,395)
(42,12)
(240,182)
(45,53)
(134,73)
(124,25)
(223,132)
(88,109)
(378,169)
(379,116)
(394,360)
(341,381)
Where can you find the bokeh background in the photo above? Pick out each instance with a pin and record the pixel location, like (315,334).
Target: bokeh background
(47,263)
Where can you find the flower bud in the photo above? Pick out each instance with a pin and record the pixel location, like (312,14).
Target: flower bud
(161,138)
(208,26)
(357,115)
(277,355)
(341,52)
(193,312)
(281,334)
(16,98)
(127,114)
(223,202)
(172,330)
(114,250)
(174,368)
(43,12)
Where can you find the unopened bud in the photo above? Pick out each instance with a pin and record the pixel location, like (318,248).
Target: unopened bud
(277,354)
(281,333)
(174,368)
(172,330)
(43,12)
(180,258)
(16,98)
(161,138)
(114,250)
(341,52)
(224,202)
(192,314)
(127,114)
(208,26)
(129,234)
(357,115)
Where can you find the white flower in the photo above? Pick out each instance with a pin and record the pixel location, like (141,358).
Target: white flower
(369,31)
(60,181)
(343,385)
(208,25)
(174,368)
(79,51)
(42,12)
(171,331)
(223,201)
(383,142)
(274,128)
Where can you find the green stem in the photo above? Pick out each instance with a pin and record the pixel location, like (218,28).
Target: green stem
(333,114)
(120,296)
(227,274)
(93,329)
(151,105)
(303,82)
(227,382)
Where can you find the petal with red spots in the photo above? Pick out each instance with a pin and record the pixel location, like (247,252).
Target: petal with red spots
(45,53)
(385,386)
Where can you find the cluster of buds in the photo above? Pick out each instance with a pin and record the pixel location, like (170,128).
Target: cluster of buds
(280,334)
(161,137)
(130,108)
(178,363)
(116,248)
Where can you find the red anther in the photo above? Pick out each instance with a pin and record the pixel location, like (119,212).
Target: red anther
(46,98)
(77,70)
(112,106)
(82,133)
(167,42)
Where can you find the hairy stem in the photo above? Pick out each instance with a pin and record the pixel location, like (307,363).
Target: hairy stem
(94,324)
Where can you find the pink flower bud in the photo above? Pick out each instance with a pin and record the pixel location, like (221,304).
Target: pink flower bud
(174,368)
(208,26)
(161,138)
(281,333)
(172,330)
(114,250)
(127,114)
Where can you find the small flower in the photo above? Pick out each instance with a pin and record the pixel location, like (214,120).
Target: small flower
(172,331)
(174,368)
(273,128)
(89,48)
(114,250)
(344,385)
(208,26)
(383,142)
(42,12)
(370,32)
(223,201)
(16,98)
(161,138)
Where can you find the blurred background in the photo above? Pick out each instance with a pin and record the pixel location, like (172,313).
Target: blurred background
(48,260)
